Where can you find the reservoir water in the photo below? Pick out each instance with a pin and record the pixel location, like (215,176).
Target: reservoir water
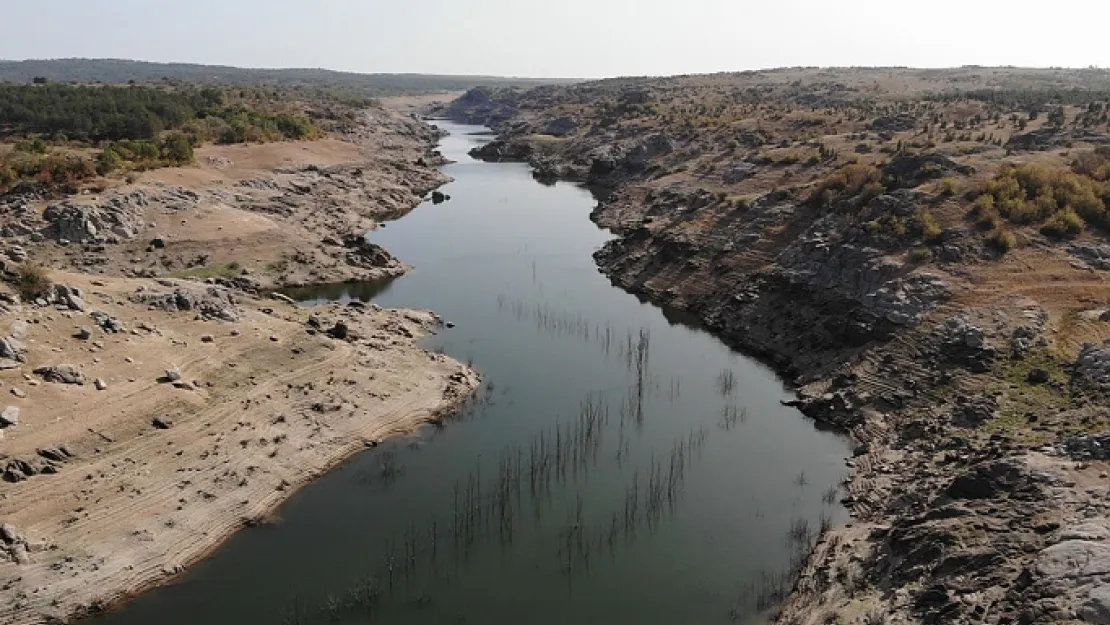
(618,465)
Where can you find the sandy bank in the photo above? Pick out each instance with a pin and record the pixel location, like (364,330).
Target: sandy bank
(268,399)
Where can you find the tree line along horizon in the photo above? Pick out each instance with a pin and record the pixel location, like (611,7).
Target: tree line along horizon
(134,127)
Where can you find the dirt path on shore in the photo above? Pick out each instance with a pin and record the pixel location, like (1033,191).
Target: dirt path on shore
(114,501)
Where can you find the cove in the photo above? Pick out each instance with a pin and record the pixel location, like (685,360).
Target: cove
(619,465)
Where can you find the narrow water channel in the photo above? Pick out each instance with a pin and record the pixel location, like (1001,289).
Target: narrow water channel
(618,465)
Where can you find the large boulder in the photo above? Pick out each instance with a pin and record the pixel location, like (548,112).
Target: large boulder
(911,170)
(1094,255)
(1093,366)
(118,218)
(647,150)
(70,296)
(974,411)
(561,126)
(61,374)
(1006,477)
(1096,609)
(11,349)
(498,151)
(738,172)
(965,344)
(1074,558)
(9,417)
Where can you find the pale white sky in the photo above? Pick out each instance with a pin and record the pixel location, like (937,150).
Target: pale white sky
(568,38)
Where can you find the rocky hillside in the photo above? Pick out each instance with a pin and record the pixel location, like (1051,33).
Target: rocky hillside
(924,253)
(259,215)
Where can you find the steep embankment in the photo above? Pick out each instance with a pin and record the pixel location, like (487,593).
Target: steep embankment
(968,370)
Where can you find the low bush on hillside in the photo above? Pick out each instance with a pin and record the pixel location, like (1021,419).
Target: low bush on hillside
(1002,241)
(854,180)
(920,255)
(32,281)
(52,171)
(173,149)
(929,226)
(1061,201)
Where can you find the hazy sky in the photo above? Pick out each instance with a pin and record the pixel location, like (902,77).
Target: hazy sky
(573,38)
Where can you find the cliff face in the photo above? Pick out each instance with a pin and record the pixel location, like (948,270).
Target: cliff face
(805,290)
(816,219)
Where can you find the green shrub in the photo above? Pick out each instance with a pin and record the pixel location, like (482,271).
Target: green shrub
(294,127)
(930,228)
(983,204)
(1066,224)
(1002,241)
(920,255)
(898,227)
(8,177)
(1033,194)
(848,181)
(1094,164)
(32,281)
(177,149)
(948,187)
(33,145)
(108,161)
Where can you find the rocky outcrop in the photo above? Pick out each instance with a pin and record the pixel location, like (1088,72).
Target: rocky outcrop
(908,171)
(817,287)
(1050,137)
(116,216)
(611,164)
(84,223)
(840,408)
(965,344)
(61,374)
(212,303)
(1094,255)
(882,286)
(362,253)
(561,126)
(738,172)
(1088,447)
(483,106)
(1093,366)
(498,151)
(893,123)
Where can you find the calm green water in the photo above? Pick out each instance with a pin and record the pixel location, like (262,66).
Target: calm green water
(617,467)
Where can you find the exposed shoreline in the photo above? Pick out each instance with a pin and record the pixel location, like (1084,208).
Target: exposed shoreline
(106,502)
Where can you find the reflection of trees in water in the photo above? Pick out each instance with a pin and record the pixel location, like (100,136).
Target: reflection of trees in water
(492,505)
(340,291)
(540,493)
